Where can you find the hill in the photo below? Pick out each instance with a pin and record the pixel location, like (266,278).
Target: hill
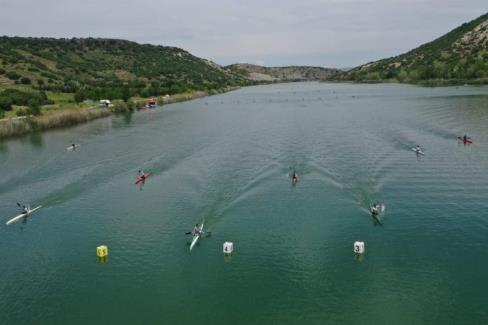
(457,57)
(291,73)
(106,68)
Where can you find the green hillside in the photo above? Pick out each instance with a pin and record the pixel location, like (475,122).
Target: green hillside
(457,57)
(106,68)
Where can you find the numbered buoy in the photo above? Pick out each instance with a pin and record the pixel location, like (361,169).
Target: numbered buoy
(102,251)
(228,247)
(359,247)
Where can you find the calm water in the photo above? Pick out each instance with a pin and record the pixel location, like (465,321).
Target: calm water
(225,159)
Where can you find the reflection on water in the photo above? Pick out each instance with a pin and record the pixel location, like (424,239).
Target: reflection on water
(35,139)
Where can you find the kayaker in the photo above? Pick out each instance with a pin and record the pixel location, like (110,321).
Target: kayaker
(294,176)
(417,148)
(375,208)
(465,138)
(74,146)
(24,209)
(196,231)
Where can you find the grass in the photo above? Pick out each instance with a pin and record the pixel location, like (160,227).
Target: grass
(59,118)
(61,97)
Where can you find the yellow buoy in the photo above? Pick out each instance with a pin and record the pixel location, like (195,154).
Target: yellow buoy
(102,251)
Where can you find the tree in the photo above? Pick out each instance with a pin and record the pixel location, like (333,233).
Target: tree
(5,103)
(12,75)
(25,81)
(125,94)
(80,95)
(34,106)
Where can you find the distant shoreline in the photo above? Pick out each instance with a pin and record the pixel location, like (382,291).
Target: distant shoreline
(19,126)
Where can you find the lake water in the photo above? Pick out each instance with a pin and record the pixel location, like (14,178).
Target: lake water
(225,160)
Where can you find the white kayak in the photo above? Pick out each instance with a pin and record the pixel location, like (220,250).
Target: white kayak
(418,151)
(195,237)
(20,216)
(73,148)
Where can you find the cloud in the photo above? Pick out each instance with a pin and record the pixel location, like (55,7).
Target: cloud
(313,32)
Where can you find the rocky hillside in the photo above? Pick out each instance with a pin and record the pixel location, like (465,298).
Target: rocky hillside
(292,73)
(106,68)
(457,57)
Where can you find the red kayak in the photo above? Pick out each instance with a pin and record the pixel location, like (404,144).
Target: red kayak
(467,141)
(141,178)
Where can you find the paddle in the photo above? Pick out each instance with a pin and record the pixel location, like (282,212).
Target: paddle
(208,233)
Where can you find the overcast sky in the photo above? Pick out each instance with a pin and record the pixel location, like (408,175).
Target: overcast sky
(331,33)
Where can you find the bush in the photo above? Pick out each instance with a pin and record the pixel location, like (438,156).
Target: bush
(119,107)
(80,95)
(2,71)
(21,112)
(25,81)
(34,106)
(2,113)
(5,103)
(12,75)
(131,105)
(22,98)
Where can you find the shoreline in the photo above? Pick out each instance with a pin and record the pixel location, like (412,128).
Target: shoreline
(19,126)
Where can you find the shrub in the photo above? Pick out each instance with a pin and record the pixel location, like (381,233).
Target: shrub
(12,75)
(5,103)
(21,112)
(131,105)
(80,95)
(2,71)
(22,98)
(25,81)
(2,113)
(119,107)
(34,106)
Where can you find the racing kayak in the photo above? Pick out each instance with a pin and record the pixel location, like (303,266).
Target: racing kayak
(20,216)
(195,237)
(140,179)
(73,148)
(467,141)
(419,152)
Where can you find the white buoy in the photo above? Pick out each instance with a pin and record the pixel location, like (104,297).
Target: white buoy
(359,247)
(228,247)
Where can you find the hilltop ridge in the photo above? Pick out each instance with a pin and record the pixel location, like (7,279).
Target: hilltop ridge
(288,73)
(459,56)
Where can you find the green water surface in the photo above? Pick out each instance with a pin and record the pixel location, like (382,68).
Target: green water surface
(225,159)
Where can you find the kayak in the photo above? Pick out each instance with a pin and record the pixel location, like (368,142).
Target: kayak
(20,216)
(467,141)
(419,152)
(195,237)
(71,147)
(140,179)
